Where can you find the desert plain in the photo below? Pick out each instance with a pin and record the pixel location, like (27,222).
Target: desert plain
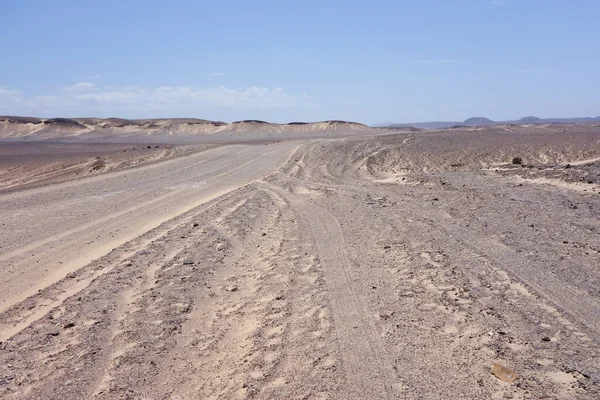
(307,261)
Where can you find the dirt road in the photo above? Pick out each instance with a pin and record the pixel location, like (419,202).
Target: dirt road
(65,226)
(325,269)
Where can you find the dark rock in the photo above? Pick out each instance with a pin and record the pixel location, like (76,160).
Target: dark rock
(517,161)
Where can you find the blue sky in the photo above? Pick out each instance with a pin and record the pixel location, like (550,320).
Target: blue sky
(368,61)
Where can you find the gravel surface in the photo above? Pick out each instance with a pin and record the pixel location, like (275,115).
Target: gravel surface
(422,265)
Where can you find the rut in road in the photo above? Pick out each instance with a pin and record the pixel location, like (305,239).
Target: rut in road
(90,217)
(233,307)
(364,360)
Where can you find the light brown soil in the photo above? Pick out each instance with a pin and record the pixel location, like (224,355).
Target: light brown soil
(29,165)
(402,266)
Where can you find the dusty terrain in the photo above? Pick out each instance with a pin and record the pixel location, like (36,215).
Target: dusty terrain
(401,266)
(24,166)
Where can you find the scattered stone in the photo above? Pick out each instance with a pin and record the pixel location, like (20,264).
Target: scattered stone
(435,199)
(184,308)
(69,324)
(503,373)
(546,339)
(568,166)
(188,262)
(71,275)
(231,288)
(517,161)
(387,247)
(53,331)
(385,315)
(195,225)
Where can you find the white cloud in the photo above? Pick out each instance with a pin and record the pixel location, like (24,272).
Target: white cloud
(89,78)
(86,98)
(216,74)
(80,87)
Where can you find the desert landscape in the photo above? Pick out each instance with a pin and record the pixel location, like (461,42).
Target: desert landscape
(194,259)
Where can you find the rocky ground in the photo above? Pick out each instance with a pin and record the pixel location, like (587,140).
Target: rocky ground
(404,266)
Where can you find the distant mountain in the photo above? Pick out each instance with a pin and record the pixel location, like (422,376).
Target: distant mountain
(476,121)
(382,124)
(482,121)
(530,120)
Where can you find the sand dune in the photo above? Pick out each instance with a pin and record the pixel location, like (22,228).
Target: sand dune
(28,128)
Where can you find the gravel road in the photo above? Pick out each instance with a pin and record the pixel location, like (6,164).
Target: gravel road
(395,267)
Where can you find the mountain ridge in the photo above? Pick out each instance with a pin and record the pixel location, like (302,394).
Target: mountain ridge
(483,121)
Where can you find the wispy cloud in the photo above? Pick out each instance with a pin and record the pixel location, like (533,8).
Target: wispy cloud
(216,74)
(89,99)
(351,101)
(534,70)
(498,3)
(438,61)
(80,87)
(89,78)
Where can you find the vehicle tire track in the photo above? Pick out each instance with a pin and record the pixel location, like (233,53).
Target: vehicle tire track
(368,372)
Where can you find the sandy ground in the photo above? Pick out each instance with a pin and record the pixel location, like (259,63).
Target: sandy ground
(27,165)
(402,266)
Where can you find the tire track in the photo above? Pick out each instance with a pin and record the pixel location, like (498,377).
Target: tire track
(368,372)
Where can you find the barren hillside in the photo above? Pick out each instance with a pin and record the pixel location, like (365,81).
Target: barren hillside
(172,129)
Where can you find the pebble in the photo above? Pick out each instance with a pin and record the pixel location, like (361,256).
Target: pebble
(53,331)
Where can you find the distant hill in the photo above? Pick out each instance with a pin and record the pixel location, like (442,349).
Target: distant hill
(530,120)
(482,121)
(476,121)
(111,129)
